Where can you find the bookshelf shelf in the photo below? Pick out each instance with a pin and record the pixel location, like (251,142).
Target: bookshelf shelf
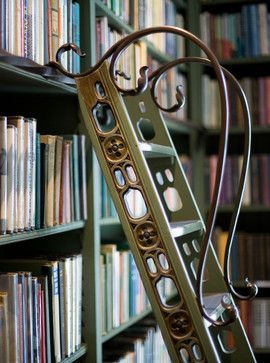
(19,80)
(261,350)
(254,209)
(236,140)
(23,236)
(122,327)
(75,356)
(217,3)
(260,60)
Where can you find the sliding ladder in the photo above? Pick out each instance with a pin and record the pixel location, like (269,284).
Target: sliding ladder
(158,212)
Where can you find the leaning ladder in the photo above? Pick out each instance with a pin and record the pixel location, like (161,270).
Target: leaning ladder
(158,212)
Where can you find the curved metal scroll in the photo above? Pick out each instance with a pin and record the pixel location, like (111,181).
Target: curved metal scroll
(115,51)
(156,76)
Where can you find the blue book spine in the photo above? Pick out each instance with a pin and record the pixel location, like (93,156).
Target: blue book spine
(76,34)
(244,31)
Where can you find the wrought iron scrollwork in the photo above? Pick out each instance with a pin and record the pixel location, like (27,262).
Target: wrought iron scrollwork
(146,234)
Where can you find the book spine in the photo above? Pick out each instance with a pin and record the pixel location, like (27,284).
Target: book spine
(4,327)
(57,177)
(3,174)
(54,28)
(38,183)
(62,308)
(27,173)
(36,328)
(79,301)
(82,175)
(33,168)
(67,304)
(9,284)
(18,122)
(11,142)
(21,280)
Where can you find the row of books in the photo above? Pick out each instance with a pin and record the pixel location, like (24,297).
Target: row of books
(257,91)
(243,34)
(135,57)
(37,28)
(141,343)
(247,248)
(141,14)
(43,177)
(40,309)
(122,293)
(257,190)
(255,316)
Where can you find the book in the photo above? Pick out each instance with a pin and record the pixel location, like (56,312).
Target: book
(4,327)
(50,140)
(3,174)
(82,175)
(11,163)
(9,284)
(57,177)
(18,122)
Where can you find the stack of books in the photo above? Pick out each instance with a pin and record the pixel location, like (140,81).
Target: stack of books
(257,91)
(242,34)
(43,177)
(35,29)
(257,189)
(141,343)
(40,309)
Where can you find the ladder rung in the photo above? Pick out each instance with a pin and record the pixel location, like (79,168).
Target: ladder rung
(213,306)
(156,150)
(182,228)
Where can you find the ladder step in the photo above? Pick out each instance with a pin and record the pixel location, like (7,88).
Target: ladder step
(156,150)
(182,228)
(213,305)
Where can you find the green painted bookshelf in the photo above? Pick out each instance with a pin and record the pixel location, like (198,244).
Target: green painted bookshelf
(17,84)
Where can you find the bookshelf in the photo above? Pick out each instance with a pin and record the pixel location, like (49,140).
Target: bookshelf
(254,217)
(191,137)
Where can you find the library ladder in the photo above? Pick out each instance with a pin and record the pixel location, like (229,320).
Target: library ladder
(157,209)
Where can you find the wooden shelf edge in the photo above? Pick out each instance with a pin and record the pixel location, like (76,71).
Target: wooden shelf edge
(23,236)
(135,319)
(78,354)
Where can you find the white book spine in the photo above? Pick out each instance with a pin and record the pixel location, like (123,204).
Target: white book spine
(11,139)
(79,301)
(27,173)
(67,304)
(10,25)
(33,159)
(73,301)
(20,188)
(15,146)
(3,174)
